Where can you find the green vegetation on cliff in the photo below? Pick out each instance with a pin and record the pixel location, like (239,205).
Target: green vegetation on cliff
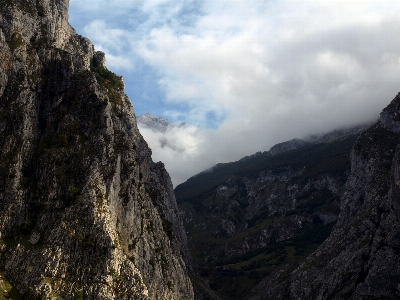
(7,290)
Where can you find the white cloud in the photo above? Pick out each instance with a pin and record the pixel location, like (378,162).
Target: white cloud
(272,70)
(179,148)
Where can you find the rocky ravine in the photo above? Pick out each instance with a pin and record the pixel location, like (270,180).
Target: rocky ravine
(361,257)
(84,212)
(261,216)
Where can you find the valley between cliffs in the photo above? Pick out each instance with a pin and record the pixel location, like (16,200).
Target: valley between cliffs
(315,220)
(86,214)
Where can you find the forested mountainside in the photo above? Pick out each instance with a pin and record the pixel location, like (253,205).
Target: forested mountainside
(261,216)
(84,211)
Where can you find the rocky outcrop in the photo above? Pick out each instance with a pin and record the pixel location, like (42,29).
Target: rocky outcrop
(261,216)
(154,123)
(361,258)
(84,212)
(390,117)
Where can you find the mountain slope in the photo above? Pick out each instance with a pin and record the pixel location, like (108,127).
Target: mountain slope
(84,212)
(361,258)
(262,215)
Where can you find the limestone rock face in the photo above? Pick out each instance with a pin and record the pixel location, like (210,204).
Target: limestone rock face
(257,218)
(84,211)
(361,258)
(156,124)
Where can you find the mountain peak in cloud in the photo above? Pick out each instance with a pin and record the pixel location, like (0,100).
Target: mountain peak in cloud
(156,123)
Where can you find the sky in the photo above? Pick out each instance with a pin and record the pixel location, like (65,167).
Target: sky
(245,74)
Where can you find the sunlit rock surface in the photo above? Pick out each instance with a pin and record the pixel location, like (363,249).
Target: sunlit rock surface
(84,212)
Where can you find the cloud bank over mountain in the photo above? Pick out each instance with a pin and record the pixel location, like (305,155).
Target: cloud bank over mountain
(248,74)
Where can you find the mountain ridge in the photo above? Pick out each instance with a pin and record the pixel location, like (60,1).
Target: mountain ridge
(244,217)
(157,123)
(282,147)
(316,220)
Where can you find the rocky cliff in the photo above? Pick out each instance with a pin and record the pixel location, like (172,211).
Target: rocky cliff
(259,217)
(84,212)
(361,257)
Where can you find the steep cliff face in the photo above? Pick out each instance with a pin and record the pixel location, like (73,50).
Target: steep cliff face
(261,216)
(361,258)
(84,212)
